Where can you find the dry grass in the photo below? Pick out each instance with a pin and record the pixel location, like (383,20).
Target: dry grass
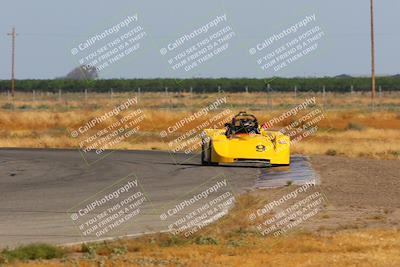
(233,241)
(369,248)
(350,128)
(371,143)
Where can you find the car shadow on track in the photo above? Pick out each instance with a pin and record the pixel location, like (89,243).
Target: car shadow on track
(217,166)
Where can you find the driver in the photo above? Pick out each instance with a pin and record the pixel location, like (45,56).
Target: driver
(242,126)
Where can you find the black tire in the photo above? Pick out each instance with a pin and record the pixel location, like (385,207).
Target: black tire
(203,154)
(206,152)
(210,163)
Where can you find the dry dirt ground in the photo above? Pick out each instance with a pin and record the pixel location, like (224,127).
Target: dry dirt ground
(361,193)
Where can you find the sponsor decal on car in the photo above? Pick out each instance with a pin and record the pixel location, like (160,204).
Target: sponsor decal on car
(260,148)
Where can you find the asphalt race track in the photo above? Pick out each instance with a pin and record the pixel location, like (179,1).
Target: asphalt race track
(38,188)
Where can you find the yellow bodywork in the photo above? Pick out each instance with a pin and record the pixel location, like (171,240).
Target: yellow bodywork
(268,146)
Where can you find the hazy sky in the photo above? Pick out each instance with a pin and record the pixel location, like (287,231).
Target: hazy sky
(49,29)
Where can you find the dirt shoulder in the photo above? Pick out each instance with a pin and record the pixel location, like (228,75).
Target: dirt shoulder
(361,193)
(359,182)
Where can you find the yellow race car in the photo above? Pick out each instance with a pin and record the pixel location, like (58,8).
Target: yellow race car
(244,140)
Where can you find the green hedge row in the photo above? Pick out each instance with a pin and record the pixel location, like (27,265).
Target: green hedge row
(335,84)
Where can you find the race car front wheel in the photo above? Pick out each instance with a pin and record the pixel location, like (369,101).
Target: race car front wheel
(206,153)
(204,150)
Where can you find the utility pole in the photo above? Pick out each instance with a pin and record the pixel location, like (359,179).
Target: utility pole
(13,34)
(372,52)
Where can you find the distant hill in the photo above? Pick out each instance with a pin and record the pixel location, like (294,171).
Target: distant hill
(343,76)
(83,73)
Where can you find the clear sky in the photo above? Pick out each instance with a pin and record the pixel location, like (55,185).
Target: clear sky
(49,29)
